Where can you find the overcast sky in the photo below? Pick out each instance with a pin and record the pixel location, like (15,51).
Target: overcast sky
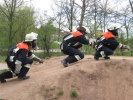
(42,5)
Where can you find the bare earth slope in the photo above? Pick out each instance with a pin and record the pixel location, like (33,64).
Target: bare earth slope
(92,80)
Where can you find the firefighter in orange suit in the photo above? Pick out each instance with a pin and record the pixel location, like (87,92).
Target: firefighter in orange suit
(20,58)
(107,43)
(71,44)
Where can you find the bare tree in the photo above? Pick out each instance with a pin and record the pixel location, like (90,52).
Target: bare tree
(59,18)
(85,4)
(131,4)
(68,11)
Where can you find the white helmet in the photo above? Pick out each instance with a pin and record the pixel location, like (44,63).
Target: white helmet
(113,27)
(31,36)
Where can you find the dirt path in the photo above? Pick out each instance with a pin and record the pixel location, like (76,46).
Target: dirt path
(3,66)
(92,80)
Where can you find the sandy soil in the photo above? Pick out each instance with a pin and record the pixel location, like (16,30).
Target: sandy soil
(3,66)
(91,80)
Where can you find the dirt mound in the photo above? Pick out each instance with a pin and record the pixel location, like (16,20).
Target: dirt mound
(85,80)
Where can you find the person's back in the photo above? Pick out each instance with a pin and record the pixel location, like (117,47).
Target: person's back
(108,40)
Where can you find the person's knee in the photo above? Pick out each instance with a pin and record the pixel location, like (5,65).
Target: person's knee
(111,52)
(27,61)
(30,61)
(79,57)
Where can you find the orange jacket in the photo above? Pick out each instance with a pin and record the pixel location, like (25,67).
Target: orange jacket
(108,35)
(23,45)
(76,34)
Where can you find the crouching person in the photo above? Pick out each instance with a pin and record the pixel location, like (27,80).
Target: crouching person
(106,44)
(20,58)
(71,44)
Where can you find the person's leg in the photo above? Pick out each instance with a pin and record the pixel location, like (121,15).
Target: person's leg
(97,55)
(25,68)
(74,55)
(105,52)
(6,75)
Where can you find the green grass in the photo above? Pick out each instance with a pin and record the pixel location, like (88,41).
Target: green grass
(3,70)
(55,45)
(2,58)
(73,93)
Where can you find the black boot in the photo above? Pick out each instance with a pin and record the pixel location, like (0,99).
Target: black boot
(96,55)
(22,75)
(64,62)
(106,57)
(2,80)
(5,75)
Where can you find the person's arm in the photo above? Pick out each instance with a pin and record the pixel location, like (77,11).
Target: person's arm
(79,45)
(119,45)
(113,42)
(82,39)
(34,57)
(123,46)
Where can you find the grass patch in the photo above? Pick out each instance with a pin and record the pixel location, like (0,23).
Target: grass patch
(73,93)
(3,70)
(2,58)
(52,93)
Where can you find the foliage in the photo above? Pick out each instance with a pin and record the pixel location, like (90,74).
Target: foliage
(24,23)
(2,58)
(73,93)
(3,70)
(46,33)
(13,30)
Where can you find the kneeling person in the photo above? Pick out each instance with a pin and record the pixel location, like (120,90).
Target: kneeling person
(20,58)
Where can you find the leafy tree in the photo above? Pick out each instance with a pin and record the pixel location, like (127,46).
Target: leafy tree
(24,22)
(46,33)
(14,26)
